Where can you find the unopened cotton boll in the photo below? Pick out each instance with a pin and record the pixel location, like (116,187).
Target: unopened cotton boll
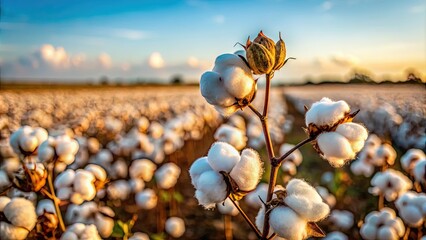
(143,169)
(175,227)
(248,171)
(167,175)
(326,112)
(410,158)
(223,157)
(198,167)
(288,224)
(227,208)
(231,135)
(21,213)
(147,199)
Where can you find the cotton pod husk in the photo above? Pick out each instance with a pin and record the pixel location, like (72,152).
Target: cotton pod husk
(248,171)
(175,227)
(223,157)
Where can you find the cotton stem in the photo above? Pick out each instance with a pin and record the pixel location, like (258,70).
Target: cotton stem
(258,234)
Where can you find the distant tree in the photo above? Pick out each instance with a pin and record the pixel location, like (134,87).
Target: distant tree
(104,80)
(412,76)
(176,80)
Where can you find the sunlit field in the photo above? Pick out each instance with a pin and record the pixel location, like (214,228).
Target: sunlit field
(121,159)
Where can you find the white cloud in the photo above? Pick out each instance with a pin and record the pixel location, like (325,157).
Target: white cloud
(327,5)
(193,62)
(219,19)
(155,60)
(344,60)
(58,57)
(105,60)
(417,9)
(131,34)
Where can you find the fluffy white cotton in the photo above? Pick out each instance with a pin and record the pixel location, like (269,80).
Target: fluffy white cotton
(342,219)
(175,227)
(223,157)
(211,189)
(412,208)
(248,171)
(287,224)
(4,179)
(21,213)
(326,112)
(295,157)
(252,198)
(383,225)
(289,168)
(97,171)
(11,232)
(231,135)
(326,196)
(361,167)
(410,158)
(81,231)
(355,133)
(26,139)
(385,154)
(143,169)
(230,79)
(3,202)
(139,236)
(197,168)
(119,189)
(45,205)
(390,183)
(167,175)
(420,171)
(305,201)
(227,208)
(83,187)
(336,236)
(147,199)
(335,148)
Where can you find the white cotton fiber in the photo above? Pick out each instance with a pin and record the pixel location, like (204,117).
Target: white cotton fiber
(326,112)
(175,227)
(231,135)
(238,82)
(420,171)
(197,168)
(248,171)
(336,149)
(252,198)
(411,216)
(45,205)
(300,187)
(21,213)
(3,202)
(143,169)
(213,188)
(97,171)
(306,208)
(11,232)
(287,224)
(167,175)
(222,157)
(409,159)
(227,207)
(213,89)
(295,157)
(147,199)
(355,133)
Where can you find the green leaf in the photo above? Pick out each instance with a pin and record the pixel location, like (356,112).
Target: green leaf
(178,197)
(165,196)
(158,236)
(117,230)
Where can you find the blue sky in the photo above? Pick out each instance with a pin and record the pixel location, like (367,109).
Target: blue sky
(158,39)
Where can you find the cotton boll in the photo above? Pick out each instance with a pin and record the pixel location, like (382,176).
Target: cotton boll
(175,227)
(227,207)
(3,202)
(104,225)
(387,233)
(222,157)
(167,176)
(335,148)
(355,133)
(4,179)
(248,171)
(360,167)
(119,189)
(411,216)
(326,196)
(368,231)
(343,219)
(197,168)
(119,169)
(420,171)
(211,189)
(21,213)
(300,187)
(295,157)
(252,198)
(306,208)
(45,151)
(386,153)
(11,232)
(143,169)
(45,205)
(391,183)
(336,236)
(326,112)
(231,135)
(97,171)
(289,168)
(147,199)
(238,82)
(28,143)
(139,236)
(410,158)
(64,193)
(226,60)
(136,185)
(287,224)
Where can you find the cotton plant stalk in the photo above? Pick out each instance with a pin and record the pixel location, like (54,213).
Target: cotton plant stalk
(231,86)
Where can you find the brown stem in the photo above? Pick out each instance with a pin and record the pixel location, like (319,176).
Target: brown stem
(279,160)
(381,201)
(407,233)
(55,199)
(227,226)
(258,234)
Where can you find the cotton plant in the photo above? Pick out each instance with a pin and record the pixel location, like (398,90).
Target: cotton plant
(231,135)
(382,225)
(410,159)
(412,208)
(26,140)
(231,86)
(81,231)
(341,219)
(390,184)
(20,218)
(223,172)
(175,227)
(167,175)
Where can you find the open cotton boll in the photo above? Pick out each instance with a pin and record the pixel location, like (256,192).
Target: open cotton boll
(45,151)
(355,133)
(300,187)
(136,185)
(411,216)
(287,224)
(222,156)
(289,168)
(252,198)
(119,189)
(167,175)
(175,227)
(326,196)
(420,171)
(238,82)
(335,148)
(81,231)
(21,213)
(227,60)
(11,232)
(147,199)
(231,135)
(385,154)
(211,189)
(143,169)
(391,183)
(139,236)
(343,219)
(3,202)
(306,208)
(197,168)
(45,205)
(410,158)
(248,171)
(227,207)
(360,167)
(295,157)
(97,171)
(336,236)
(383,225)
(411,207)
(104,225)
(326,112)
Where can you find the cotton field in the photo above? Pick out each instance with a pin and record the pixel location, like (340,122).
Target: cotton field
(145,163)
